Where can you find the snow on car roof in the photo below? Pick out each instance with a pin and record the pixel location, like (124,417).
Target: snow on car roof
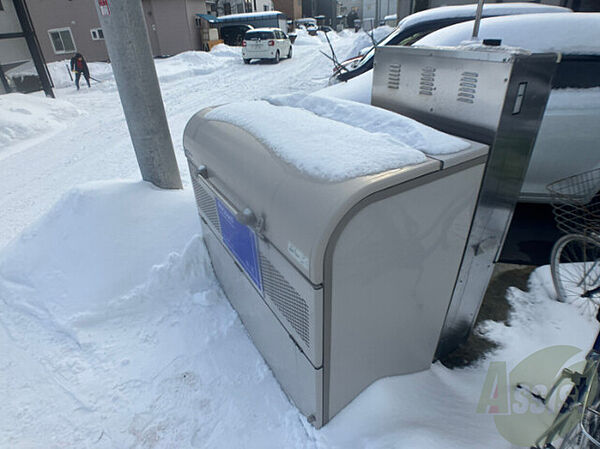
(445,12)
(572,33)
(251,15)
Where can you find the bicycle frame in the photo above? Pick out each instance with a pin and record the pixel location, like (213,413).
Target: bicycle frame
(583,394)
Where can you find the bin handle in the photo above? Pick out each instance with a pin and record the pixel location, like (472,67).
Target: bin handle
(244,215)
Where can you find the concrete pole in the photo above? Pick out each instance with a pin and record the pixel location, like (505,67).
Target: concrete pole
(128,46)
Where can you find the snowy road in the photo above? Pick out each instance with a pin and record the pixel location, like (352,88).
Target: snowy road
(96,145)
(115,333)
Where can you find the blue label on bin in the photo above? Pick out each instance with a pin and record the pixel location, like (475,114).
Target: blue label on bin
(241,241)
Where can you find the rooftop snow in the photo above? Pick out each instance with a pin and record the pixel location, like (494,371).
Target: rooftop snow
(376,121)
(445,12)
(572,33)
(331,151)
(249,15)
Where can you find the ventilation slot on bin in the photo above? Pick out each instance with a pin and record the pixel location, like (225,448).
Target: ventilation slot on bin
(427,84)
(467,87)
(287,300)
(206,203)
(394,76)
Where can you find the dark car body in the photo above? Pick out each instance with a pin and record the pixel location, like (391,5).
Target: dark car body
(418,25)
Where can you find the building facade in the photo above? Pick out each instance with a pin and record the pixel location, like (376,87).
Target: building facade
(65,27)
(291,8)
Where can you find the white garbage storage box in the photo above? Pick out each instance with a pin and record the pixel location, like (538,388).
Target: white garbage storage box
(340,279)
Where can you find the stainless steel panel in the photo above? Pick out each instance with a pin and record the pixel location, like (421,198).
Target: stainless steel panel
(248,175)
(297,304)
(393,268)
(301,381)
(295,301)
(507,165)
(488,96)
(440,86)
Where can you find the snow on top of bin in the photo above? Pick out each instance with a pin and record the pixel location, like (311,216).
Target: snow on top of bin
(377,121)
(320,147)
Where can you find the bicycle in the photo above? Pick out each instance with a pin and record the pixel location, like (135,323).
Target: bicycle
(578,420)
(575,268)
(575,260)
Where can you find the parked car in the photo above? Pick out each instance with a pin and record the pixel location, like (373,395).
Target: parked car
(266,43)
(569,135)
(312,29)
(234,34)
(414,27)
(306,21)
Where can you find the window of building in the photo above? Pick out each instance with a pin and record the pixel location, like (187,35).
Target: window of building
(97,34)
(1,7)
(266,7)
(62,40)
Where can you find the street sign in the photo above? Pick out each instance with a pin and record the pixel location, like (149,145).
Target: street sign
(104,9)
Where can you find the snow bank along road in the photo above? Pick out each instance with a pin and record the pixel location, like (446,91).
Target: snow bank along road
(92,142)
(115,333)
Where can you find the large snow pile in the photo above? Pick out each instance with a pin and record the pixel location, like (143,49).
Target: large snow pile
(115,333)
(182,66)
(304,38)
(24,117)
(362,41)
(346,44)
(193,63)
(376,121)
(571,33)
(331,151)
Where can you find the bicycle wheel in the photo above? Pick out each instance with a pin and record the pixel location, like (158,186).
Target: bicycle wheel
(575,267)
(575,438)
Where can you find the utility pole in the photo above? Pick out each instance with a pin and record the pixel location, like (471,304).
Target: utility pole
(33,45)
(128,45)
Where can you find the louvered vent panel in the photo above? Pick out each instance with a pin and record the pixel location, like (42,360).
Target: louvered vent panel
(394,76)
(206,203)
(287,300)
(467,87)
(427,83)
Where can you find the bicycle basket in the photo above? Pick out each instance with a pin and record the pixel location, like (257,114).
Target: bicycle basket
(576,202)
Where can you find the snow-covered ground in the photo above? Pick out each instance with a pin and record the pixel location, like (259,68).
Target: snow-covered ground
(114,331)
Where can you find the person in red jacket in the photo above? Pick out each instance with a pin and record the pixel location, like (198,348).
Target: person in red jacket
(79,66)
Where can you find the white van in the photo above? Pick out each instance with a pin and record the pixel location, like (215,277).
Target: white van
(266,43)
(568,141)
